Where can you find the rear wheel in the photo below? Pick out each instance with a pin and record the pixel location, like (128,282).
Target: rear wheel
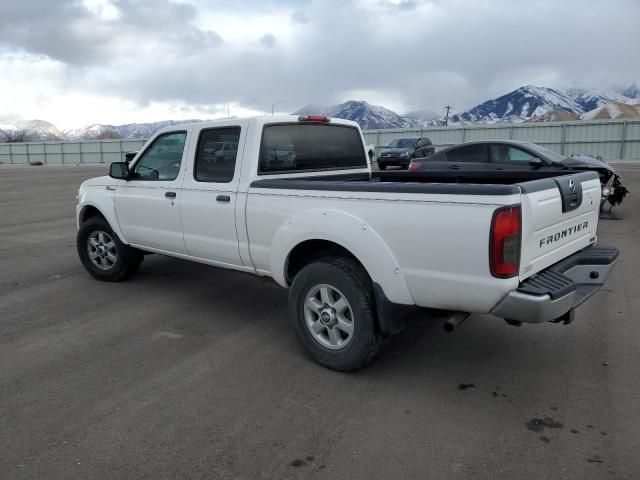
(102,253)
(332,311)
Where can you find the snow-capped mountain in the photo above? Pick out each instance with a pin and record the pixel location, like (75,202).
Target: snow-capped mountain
(590,99)
(555,116)
(532,103)
(528,103)
(130,130)
(366,115)
(613,110)
(519,105)
(312,109)
(36,130)
(423,117)
(632,91)
(40,130)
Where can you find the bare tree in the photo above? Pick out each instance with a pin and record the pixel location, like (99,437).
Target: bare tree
(14,136)
(109,135)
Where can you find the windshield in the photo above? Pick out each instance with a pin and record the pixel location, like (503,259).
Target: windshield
(545,153)
(403,143)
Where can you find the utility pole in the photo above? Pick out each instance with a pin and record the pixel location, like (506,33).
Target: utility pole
(272,106)
(228,111)
(446,118)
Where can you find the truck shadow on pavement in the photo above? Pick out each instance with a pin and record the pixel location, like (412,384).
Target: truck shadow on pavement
(216,300)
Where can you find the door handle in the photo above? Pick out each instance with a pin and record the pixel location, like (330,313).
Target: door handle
(223,198)
(170,194)
(454,167)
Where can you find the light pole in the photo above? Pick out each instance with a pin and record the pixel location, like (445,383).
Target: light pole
(273,106)
(446,118)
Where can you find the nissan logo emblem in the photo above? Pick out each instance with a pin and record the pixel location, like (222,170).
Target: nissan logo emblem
(572,185)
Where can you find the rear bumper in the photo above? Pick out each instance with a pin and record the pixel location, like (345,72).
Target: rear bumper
(553,294)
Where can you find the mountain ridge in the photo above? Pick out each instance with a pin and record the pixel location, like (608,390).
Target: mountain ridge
(366,115)
(528,103)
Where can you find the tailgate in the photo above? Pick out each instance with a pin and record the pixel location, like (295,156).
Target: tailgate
(559,218)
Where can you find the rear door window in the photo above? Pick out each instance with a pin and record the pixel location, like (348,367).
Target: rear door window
(216,156)
(310,147)
(468,154)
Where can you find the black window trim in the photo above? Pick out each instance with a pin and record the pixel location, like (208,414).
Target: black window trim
(328,169)
(144,152)
(195,156)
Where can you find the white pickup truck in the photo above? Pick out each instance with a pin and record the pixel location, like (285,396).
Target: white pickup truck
(357,249)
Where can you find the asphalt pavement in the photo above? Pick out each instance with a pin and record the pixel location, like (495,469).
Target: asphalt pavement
(187,371)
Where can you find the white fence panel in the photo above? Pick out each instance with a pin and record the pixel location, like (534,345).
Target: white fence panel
(59,153)
(610,139)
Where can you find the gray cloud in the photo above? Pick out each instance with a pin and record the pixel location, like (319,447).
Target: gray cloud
(268,40)
(404,5)
(425,55)
(298,16)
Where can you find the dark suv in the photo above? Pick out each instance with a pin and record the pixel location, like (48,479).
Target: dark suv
(401,151)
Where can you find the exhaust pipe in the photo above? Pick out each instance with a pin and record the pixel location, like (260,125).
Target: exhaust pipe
(455,320)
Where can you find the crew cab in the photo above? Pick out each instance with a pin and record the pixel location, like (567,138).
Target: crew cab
(357,250)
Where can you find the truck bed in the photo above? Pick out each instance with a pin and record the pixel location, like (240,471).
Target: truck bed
(445,182)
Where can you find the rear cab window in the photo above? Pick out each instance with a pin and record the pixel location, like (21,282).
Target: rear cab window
(310,147)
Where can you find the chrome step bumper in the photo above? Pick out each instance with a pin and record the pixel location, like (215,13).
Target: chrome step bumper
(554,293)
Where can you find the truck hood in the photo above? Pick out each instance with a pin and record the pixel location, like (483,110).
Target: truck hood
(98,182)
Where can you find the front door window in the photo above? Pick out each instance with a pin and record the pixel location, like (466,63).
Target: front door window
(162,160)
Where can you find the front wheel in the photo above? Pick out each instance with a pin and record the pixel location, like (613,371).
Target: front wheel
(382,166)
(102,253)
(332,311)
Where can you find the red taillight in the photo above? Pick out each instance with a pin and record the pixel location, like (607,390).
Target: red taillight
(414,167)
(504,244)
(313,118)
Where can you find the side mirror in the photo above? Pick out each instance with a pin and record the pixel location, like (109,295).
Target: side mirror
(119,170)
(536,162)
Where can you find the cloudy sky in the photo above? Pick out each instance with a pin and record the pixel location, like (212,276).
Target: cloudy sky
(79,62)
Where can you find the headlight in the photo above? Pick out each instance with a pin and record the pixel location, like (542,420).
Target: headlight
(608,188)
(404,154)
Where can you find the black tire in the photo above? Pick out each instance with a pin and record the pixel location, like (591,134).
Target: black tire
(354,284)
(127,259)
(382,166)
